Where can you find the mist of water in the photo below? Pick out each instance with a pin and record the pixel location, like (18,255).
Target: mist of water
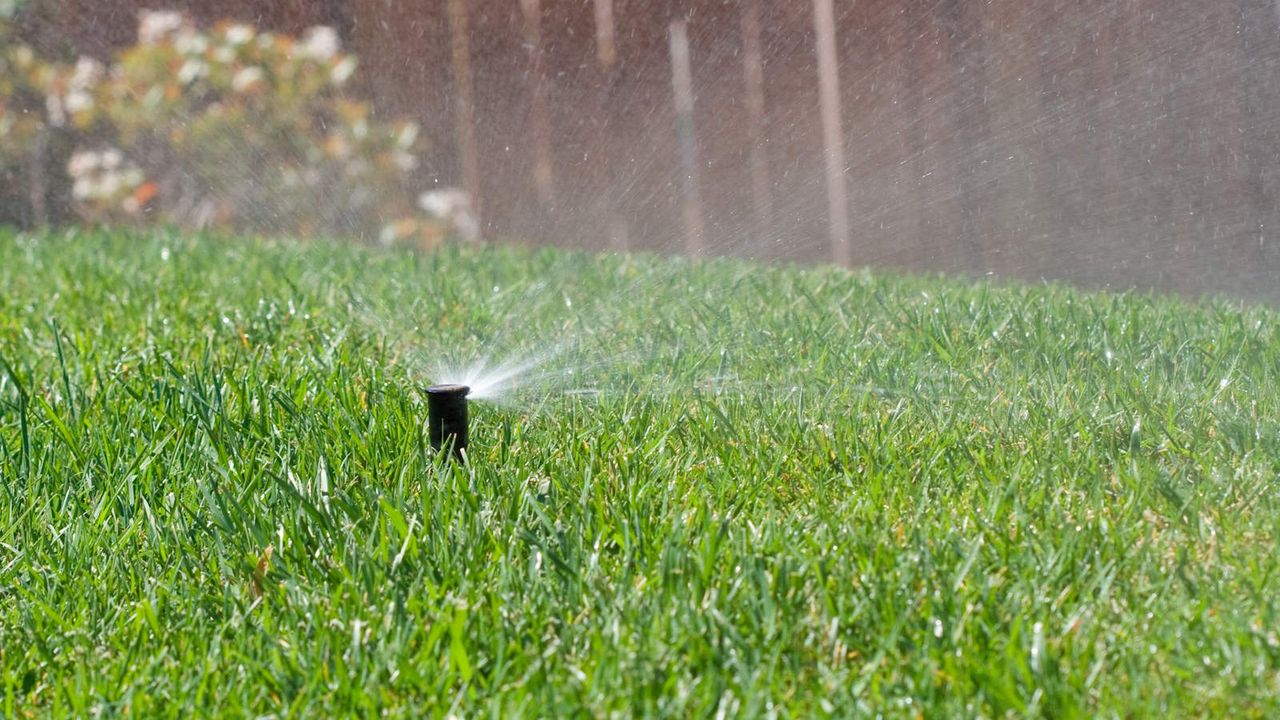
(1129,143)
(1113,143)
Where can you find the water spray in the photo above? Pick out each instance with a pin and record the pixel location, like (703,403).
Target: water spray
(447,418)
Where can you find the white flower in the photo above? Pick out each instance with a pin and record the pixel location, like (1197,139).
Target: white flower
(191,43)
(111,159)
(239,34)
(407,135)
(88,72)
(443,203)
(320,43)
(82,163)
(246,78)
(224,54)
(82,188)
(155,26)
(191,70)
(110,184)
(454,206)
(78,100)
(57,114)
(342,72)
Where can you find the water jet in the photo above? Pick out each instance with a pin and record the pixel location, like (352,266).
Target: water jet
(447,418)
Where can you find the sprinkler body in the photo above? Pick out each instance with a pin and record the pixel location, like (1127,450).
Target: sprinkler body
(447,419)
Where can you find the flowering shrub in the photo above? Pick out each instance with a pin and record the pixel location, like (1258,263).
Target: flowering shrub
(105,183)
(225,127)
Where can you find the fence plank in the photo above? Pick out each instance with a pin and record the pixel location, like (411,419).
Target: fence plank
(686,136)
(754,101)
(539,112)
(464,104)
(832,131)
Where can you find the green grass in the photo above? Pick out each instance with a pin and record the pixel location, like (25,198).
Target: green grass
(796,492)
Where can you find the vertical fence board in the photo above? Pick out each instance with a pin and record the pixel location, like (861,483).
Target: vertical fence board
(686,133)
(832,131)
(464,103)
(753,93)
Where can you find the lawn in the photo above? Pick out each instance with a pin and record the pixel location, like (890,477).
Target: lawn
(728,489)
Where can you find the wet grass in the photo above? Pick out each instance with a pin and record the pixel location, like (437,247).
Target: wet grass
(794,493)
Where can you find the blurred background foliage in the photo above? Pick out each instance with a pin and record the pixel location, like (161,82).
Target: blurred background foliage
(221,127)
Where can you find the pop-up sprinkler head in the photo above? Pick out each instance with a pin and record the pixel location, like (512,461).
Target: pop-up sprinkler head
(447,418)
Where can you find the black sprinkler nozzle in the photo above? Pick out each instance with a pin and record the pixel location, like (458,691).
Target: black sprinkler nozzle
(447,418)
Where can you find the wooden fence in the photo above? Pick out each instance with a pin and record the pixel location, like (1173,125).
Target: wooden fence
(1129,142)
